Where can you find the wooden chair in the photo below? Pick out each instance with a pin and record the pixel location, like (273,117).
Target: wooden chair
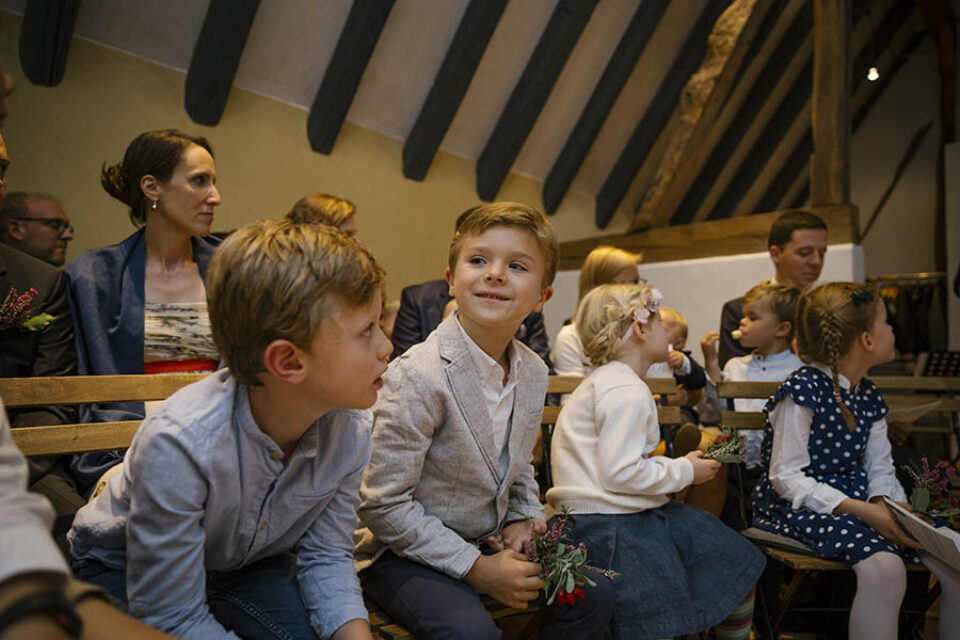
(898,391)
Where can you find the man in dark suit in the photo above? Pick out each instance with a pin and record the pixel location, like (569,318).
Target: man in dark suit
(48,351)
(421,310)
(797,244)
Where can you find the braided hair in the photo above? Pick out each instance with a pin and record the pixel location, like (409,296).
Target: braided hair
(605,314)
(830,318)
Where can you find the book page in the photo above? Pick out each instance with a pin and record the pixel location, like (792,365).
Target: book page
(943,542)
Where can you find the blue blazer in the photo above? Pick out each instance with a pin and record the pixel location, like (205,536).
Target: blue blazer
(106,298)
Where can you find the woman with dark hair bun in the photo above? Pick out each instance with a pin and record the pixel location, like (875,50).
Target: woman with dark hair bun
(140,306)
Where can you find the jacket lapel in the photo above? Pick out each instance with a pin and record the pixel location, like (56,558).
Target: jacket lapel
(462,376)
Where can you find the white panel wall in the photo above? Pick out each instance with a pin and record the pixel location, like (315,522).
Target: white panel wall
(698,288)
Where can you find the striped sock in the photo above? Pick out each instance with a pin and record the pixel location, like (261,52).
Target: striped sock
(738,623)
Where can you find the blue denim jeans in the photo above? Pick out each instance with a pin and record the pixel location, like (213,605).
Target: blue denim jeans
(260,600)
(435,606)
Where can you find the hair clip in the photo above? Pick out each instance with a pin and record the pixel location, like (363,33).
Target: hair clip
(642,314)
(860,296)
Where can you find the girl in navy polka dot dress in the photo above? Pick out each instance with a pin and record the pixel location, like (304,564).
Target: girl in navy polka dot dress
(827,460)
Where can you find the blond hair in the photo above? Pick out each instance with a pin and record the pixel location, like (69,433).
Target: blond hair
(672,316)
(602,265)
(321,208)
(276,279)
(477,220)
(782,300)
(830,318)
(604,315)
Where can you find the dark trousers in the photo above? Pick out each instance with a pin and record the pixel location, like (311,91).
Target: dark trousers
(435,606)
(260,600)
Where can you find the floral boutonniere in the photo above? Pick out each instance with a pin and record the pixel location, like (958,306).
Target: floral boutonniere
(562,563)
(17,314)
(726,448)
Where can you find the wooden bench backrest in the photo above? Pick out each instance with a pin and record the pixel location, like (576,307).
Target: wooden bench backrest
(894,389)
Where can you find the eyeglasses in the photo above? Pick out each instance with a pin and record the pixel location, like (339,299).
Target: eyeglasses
(53,223)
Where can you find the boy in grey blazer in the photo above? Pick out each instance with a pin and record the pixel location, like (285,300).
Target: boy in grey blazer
(449,500)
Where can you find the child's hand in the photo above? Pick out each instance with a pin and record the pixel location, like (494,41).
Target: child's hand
(507,577)
(678,399)
(675,360)
(709,346)
(703,470)
(495,541)
(516,535)
(879,518)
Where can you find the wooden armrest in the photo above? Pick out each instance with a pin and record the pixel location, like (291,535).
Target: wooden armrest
(74,438)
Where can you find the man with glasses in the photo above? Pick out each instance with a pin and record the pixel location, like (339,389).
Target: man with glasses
(41,349)
(37,225)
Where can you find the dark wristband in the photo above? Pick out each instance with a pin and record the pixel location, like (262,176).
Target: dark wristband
(52,605)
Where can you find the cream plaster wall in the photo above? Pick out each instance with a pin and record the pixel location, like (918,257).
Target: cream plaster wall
(58,138)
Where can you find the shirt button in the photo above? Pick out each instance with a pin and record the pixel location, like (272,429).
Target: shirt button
(263,525)
(138,612)
(320,630)
(276,454)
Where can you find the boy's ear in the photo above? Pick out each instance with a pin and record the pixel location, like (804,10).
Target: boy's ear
(448,274)
(15,230)
(775,254)
(545,294)
(281,358)
(783,329)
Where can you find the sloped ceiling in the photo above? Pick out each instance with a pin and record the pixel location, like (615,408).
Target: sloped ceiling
(291,44)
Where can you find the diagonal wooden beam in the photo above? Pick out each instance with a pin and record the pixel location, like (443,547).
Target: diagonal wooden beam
(450,85)
(619,67)
(556,43)
(45,35)
(698,111)
(782,67)
(657,114)
(340,81)
(216,57)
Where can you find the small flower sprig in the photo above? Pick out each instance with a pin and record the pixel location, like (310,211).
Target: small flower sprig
(937,490)
(562,563)
(15,313)
(725,448)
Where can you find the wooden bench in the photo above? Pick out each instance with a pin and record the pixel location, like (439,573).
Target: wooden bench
(898,392)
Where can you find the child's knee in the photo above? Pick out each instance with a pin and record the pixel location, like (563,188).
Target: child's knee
(884,573)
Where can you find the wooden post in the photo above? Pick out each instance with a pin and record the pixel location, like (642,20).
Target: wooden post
(830,117)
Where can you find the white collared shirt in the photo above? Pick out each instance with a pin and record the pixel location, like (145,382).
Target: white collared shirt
(497,396)
(754,367)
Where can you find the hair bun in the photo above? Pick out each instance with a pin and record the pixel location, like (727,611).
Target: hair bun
(116,182)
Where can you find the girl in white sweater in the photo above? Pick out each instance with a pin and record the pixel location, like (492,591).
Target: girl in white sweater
(681,569)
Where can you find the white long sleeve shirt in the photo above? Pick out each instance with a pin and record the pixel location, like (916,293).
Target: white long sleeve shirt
(602,444)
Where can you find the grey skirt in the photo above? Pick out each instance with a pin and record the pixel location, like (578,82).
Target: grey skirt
(681,569)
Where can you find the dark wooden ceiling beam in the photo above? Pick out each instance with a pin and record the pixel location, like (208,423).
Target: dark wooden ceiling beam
(216,57)
(340,81)
(699,112)
(657,114)
(45,35)
(450,85)
(615,75)
(830,111)
(553,49)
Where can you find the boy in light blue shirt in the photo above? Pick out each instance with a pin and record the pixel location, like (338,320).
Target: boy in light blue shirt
(234,509)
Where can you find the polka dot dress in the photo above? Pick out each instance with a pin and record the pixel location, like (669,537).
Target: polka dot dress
(836,459)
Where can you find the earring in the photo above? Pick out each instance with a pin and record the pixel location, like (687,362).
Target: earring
(153,205)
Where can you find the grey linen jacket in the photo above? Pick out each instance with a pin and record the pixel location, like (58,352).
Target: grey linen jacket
(433,487)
